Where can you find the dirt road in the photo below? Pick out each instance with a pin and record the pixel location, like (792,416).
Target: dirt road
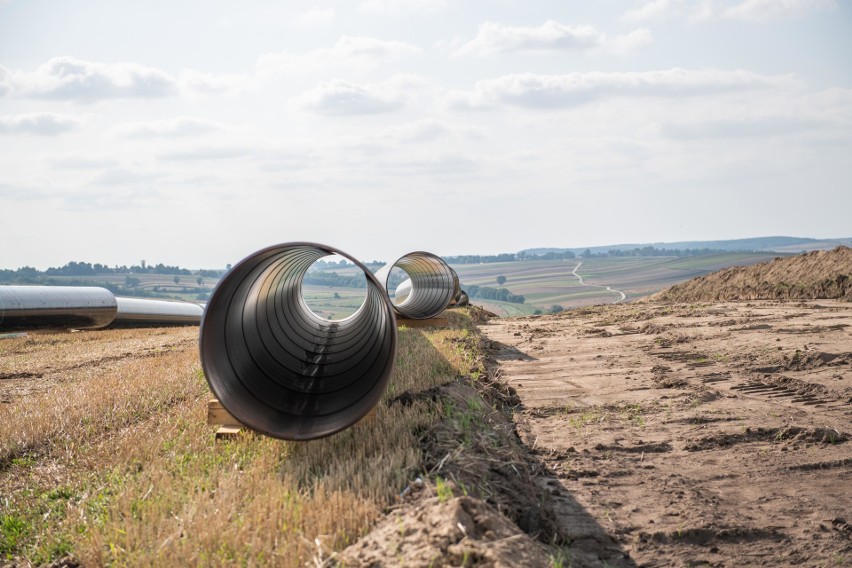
(691,434)
(622,295)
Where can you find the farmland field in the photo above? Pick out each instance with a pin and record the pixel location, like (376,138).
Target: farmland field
(330,302)
(545,283)
(163,285)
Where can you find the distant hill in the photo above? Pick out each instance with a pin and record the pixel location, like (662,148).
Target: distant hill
(773,244)
(816,274)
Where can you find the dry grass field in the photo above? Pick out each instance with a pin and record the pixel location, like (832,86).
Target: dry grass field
(105,455)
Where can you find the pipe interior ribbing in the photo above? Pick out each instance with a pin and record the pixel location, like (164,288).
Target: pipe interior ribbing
(433,284)
(279,368)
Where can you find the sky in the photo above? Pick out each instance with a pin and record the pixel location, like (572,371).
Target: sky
(196,132)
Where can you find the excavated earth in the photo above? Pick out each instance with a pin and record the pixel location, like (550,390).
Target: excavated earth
(689,434)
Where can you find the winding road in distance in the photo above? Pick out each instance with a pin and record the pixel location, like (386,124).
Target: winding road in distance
(608,288)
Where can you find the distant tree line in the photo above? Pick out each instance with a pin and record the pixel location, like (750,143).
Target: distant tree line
(488,293)
(647,251)
(481,259)
(327,264)
(85,274)
(563,255)
(508,257)
(25,276)
(333,279)
(88,269)
(652,251)
(374,265)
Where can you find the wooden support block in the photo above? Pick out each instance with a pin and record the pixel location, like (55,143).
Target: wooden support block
(227,432)
(440,321)
(218,416)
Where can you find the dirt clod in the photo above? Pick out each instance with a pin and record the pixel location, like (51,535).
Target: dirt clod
(462,531)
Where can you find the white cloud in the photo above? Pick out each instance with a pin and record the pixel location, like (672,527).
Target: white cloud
(348,52)
(5,81)
(372,48)
(765,115)
(425,130)
(554,91)
(171,128)
(316,17)
(342,97)
(551,36)
(207,153)
(82,161)
(24,191)
(121,176)
(762,10)
(709,10)
(702,11)
(632,41)
(441,166)
(42,123)
(768,127)
(654,9)
(67,78)
(397,6)
(346,98)
(196,82)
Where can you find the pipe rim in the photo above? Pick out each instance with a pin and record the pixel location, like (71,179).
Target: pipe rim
(437,298)
(266,300)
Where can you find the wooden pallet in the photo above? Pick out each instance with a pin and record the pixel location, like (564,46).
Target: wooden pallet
(229,427)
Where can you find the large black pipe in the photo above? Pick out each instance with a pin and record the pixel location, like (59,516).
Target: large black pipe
(433,284)
(279,368)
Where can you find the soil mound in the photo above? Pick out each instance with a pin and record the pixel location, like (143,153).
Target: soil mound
(457,532)
(816,274)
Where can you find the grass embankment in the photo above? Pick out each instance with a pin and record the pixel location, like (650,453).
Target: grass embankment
(112,461)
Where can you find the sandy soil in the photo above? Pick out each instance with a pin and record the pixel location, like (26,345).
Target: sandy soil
(712,434)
